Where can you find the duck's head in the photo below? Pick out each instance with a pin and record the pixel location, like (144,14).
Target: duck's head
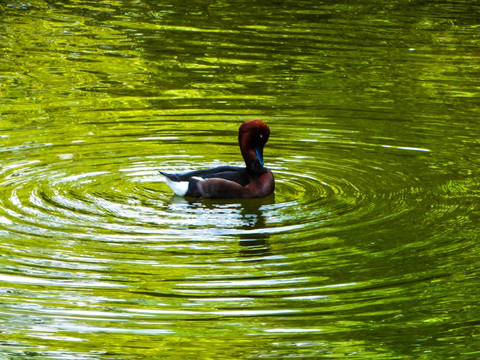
(252,137)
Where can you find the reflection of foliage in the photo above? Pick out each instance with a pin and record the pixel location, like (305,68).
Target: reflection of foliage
(119,57)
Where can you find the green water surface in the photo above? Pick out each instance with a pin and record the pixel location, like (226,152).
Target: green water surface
(367,250)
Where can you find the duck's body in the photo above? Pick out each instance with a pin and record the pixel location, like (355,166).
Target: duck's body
(251,181)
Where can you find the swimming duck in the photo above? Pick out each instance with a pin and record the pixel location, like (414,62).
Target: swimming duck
(252,181)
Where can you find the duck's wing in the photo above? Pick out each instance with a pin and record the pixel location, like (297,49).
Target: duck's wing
(232,173)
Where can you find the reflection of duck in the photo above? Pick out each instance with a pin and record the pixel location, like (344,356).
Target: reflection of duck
(251,181)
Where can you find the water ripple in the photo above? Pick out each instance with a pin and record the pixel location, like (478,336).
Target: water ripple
(132,201)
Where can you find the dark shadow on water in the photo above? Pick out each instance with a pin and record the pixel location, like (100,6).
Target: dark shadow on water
(253,240)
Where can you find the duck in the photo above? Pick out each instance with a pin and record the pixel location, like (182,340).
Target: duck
(229,182)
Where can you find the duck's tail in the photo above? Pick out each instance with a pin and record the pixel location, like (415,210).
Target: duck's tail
(180,188)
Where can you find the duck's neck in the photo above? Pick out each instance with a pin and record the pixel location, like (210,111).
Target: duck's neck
(254,167)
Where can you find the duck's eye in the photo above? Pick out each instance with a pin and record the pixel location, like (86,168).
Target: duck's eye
(261,136)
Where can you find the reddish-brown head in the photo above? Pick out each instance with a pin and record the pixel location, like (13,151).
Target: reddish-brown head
(252,137)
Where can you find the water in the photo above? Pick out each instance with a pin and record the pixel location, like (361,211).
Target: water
(368,248)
